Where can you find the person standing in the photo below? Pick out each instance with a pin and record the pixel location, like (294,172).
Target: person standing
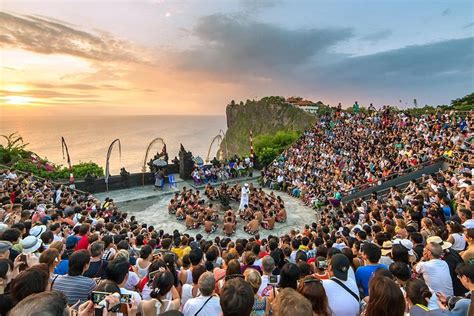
(244,197)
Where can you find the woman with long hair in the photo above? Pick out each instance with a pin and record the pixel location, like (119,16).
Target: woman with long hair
(385,298)
(51,258)
(312,288)
(163,283)
(417,296)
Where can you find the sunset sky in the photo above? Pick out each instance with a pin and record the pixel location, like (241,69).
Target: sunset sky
(137,57)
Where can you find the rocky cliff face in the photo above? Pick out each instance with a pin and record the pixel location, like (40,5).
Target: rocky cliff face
(269,115)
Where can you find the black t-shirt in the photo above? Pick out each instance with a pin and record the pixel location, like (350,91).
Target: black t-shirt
(96,269)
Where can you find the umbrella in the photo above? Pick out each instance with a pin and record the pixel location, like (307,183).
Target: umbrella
(198,160)
(159,163)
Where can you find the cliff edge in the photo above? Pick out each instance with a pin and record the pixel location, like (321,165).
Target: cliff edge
(266,116)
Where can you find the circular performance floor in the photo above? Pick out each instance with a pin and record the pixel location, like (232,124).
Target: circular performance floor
(154,211)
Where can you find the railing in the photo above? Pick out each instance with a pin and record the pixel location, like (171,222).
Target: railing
(396,174)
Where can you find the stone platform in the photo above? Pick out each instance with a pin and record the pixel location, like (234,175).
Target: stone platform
(151,207)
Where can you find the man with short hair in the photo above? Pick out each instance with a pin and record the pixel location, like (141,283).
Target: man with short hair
(97,265)
(118,272)
(207,304)
(268,265)
(435,271)
(341,291)
(237,298)
(371,254)
(74,285)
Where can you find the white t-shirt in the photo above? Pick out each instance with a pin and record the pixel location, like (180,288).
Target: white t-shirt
(341,302)
(132,281)
(212,307)
(263,286)
(436,275)
(187,293)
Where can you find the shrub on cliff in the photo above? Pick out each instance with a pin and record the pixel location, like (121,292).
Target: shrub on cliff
(269,146)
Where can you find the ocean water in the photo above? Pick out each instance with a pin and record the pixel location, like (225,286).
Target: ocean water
(88,138)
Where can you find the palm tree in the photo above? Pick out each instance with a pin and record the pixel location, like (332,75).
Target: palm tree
(14,148)
(14,142)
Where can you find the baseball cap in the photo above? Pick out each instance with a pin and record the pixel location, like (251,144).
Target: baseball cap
(340,266)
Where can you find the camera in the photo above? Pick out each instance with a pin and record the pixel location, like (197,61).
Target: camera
(98,298)
(273,280)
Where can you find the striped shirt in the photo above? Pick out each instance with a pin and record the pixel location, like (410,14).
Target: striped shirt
(74,287)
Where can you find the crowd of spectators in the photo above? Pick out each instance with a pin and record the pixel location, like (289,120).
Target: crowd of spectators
(222,171)
(409,251)
(344,152)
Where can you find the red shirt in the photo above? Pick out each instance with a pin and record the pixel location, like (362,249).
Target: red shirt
(83,243)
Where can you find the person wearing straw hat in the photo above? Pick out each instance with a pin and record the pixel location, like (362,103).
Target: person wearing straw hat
(386,252)
(452,258)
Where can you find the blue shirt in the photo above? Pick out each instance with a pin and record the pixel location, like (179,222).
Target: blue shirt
(62,268)
(364,274)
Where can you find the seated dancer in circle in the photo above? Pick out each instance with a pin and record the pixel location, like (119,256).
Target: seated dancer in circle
(172,207)
(191,223)
(209,225)
(211,192)
(269,221)
(210,211)
(281,216)
(246,214)
(180,214)
(252,227)
(229,226)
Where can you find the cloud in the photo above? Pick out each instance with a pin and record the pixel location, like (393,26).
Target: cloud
(377,36)
(47,36)
(46,94)
(232,44)
(430,70)
(77,86)
(468,25)
(255,6)
(446,12)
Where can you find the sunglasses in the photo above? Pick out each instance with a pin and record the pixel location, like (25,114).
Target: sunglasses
(312,281)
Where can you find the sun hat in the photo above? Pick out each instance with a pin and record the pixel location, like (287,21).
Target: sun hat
(5,245)
(36,231)
(3,227)
(340,266)
(469,224)
(436,239)
(30,244)
(386,247)
(405,243)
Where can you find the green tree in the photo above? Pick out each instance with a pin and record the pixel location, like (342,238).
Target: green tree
(269,146)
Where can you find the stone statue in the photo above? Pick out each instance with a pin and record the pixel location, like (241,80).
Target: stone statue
(186,163)
(125,175)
